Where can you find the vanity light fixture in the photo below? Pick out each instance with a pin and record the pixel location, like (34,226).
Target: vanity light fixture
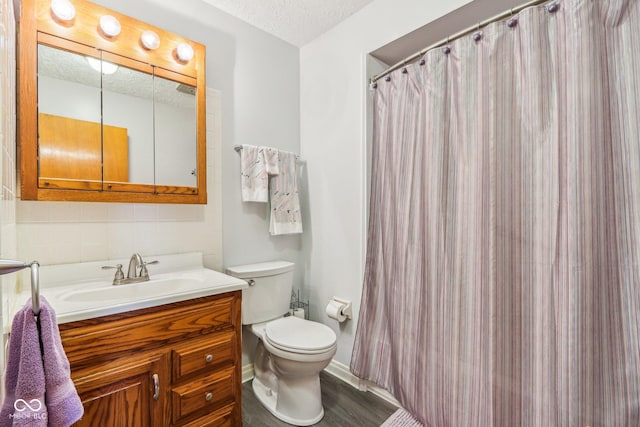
(150,40)
(184,52)
(110,26)
(63,10)
(102,66)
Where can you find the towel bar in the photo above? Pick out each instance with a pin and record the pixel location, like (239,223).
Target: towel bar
(238,148)
(10,266)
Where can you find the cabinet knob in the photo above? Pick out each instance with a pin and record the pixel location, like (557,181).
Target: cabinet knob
(208,396)
(208,358)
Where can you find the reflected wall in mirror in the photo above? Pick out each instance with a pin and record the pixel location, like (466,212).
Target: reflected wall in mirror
(69,123)
(111,120)
(175,128)
(127,102)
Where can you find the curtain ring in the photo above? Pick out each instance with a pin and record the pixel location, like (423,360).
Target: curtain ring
(511,23)
(404,67)
(447,48)
(477,36)
(553,7)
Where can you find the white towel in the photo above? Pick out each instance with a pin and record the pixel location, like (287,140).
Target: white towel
(255,179)
(271,160)
(285,201)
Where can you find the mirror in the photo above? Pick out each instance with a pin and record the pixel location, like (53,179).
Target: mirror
(69,132)
(127,103)
(175,131)
(114,121)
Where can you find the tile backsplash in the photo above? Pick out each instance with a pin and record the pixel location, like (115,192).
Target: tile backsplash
(69,232)
(7,160)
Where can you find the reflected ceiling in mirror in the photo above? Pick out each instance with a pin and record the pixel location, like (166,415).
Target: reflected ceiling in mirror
(63,65)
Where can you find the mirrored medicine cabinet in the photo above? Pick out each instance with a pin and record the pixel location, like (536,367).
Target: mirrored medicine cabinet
(105,114)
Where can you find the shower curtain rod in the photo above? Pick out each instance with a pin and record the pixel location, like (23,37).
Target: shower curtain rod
(455,36)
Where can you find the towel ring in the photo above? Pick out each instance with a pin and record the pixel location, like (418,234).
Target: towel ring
(10,266)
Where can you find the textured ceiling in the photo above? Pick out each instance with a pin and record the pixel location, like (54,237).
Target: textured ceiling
(295,21)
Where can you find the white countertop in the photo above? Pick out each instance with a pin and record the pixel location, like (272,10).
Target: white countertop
(83,291)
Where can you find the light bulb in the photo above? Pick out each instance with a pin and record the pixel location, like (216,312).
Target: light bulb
(63,10)
(150,40)
(103,67)
(110,25)
(185,52)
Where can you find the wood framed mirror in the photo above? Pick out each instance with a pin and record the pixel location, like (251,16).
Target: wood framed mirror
(108,118)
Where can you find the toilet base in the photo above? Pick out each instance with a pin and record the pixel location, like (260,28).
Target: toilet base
(269,400)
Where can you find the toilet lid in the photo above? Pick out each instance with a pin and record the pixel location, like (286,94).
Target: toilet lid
(298,334)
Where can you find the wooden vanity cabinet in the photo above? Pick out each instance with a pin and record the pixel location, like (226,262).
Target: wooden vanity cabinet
(172,365)
(122,394)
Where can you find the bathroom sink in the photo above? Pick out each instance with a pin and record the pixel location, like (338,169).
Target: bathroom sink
(84,290)
(127,292)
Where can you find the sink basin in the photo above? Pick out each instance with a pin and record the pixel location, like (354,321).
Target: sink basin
(84,290)
(141,290)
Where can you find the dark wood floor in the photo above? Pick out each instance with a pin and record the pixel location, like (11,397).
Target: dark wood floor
(343,406)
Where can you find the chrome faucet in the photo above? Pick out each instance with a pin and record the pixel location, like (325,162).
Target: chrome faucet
(135,263)
(137,271)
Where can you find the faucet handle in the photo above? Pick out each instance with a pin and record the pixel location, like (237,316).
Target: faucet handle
(119,276)
(143,269)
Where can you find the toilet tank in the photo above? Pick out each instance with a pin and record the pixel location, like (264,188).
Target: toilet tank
(269,293)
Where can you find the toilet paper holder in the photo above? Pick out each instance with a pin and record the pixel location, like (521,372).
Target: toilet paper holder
(346,310)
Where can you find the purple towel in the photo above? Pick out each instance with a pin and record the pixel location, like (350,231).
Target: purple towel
(63,403)
(29,374)
(24,403)
(11,375)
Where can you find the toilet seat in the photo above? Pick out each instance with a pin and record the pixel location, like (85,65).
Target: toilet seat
(296,335)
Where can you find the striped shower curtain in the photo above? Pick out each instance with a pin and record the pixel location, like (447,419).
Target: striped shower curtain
(502,280)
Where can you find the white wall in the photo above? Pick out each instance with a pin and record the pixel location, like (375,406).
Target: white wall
(175,127)
(312,100)
(83,102)
(66,232)
(7,158)
(257,78)
(333,97)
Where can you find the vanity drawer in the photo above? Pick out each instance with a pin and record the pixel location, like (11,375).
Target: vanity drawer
(203,394)
(97,340)
(221,418)
(203,354)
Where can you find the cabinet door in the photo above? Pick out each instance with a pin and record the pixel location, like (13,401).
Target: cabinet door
(124,395)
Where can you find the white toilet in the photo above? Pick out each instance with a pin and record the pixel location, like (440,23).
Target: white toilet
(291,351)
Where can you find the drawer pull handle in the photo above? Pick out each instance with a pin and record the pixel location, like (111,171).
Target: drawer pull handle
(208,396)
(208,358)
(156,387)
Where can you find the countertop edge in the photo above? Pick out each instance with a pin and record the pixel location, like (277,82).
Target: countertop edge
(146,303)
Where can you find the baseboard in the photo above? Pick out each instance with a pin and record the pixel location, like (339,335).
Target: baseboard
(343,373)
(247,373)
